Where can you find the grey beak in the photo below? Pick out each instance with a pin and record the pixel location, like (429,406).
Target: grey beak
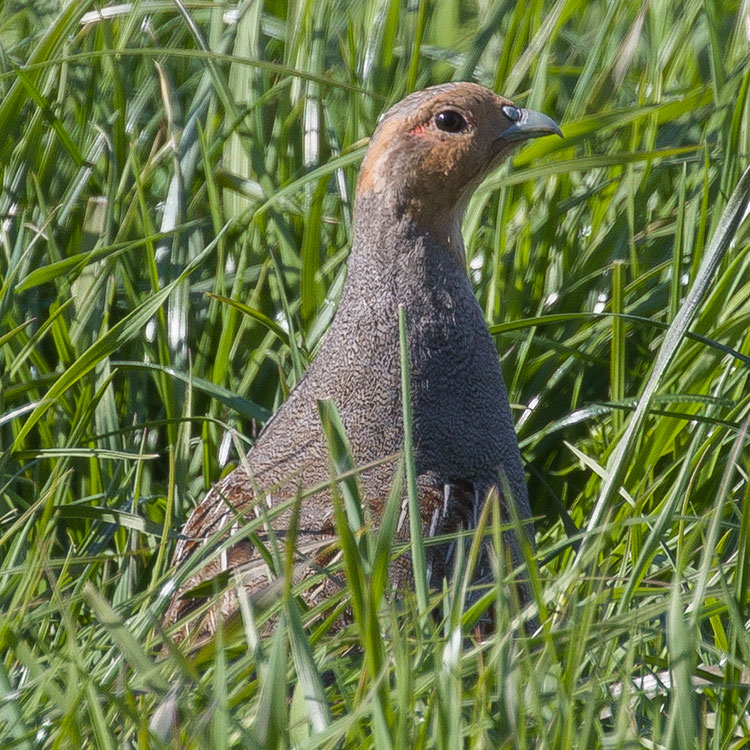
(530,124)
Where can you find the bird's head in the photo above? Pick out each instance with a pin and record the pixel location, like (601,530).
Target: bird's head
(432,149)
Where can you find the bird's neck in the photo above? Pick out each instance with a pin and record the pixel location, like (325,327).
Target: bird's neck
(401,239)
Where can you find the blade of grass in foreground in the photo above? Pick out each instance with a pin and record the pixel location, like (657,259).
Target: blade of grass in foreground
(682,728)
(415,520)
(357,547)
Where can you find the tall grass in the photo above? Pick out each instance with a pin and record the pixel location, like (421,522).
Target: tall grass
(177,188)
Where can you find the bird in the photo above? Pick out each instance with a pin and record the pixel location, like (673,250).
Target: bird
(425,158)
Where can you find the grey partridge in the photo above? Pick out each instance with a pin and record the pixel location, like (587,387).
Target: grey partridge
(427,155)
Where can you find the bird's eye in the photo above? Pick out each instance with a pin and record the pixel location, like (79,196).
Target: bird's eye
(450,121)
(512,113)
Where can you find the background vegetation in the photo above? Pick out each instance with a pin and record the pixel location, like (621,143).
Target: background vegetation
(164,163)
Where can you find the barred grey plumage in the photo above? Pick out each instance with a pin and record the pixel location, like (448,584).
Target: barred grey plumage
(426,157)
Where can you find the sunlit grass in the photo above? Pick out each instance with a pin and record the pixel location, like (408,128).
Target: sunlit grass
(178,181)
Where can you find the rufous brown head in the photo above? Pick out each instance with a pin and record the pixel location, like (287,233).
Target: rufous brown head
(432,149)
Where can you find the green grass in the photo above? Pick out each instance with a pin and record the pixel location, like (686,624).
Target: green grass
(175,215)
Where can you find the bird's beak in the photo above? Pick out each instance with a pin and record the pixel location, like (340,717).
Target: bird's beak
(530,124)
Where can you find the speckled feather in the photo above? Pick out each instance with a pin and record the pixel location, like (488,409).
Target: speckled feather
(407,250)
